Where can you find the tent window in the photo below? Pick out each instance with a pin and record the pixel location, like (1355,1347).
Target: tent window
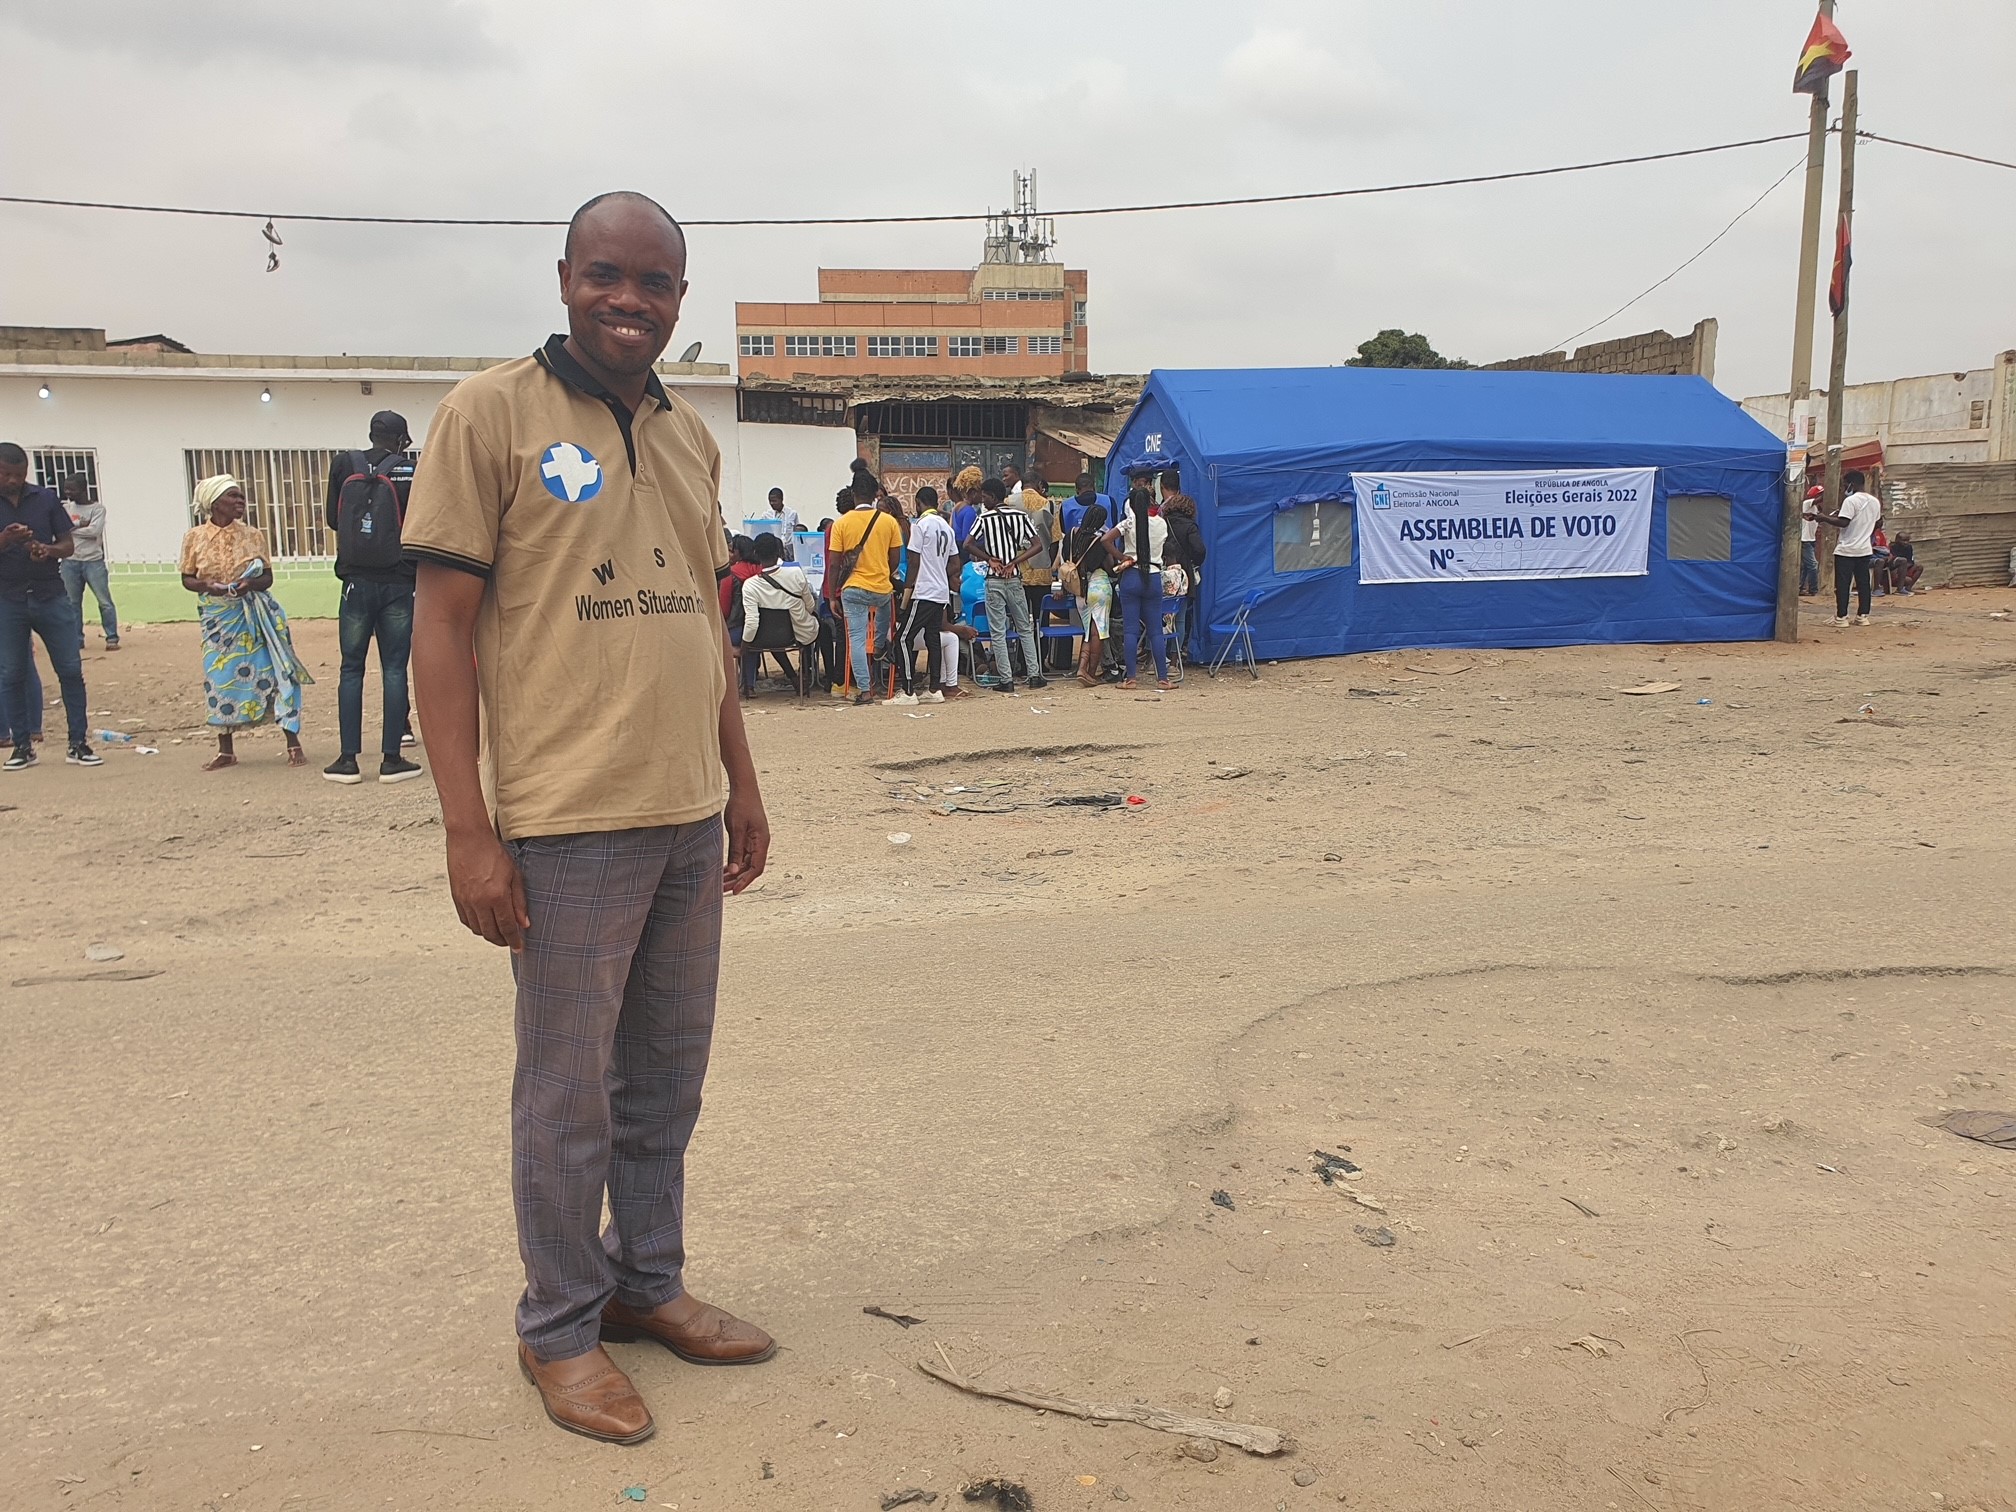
(1697,528)
(1310,537)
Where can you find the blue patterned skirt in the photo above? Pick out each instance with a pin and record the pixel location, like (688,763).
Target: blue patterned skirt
(250,671)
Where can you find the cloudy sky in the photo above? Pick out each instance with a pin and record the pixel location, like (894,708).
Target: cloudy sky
(522,108)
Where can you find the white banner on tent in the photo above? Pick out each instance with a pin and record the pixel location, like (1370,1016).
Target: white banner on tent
(1493,526)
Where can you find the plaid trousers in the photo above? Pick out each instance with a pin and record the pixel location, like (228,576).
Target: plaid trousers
(615,1020)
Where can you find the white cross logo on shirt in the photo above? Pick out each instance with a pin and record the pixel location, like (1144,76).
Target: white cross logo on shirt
(570,472)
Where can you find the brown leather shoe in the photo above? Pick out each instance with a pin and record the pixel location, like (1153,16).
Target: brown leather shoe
(588,1395)
(698,1332)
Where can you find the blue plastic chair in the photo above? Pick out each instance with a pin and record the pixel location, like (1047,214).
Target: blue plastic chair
(1066,606)
(973,605)
(1238,633)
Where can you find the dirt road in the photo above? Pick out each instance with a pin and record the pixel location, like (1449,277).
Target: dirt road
(1628,1008)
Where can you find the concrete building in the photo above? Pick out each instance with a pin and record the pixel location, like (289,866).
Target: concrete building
(1941,450)
(1016,315)
(914,431)
(144,421)
(1941,417)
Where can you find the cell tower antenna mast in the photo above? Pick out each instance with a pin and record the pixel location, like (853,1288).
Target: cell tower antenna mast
(1020,235)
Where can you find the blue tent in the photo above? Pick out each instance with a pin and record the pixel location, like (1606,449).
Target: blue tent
(1269,455)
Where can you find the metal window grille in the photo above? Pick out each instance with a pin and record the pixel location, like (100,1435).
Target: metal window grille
(284,494)
(999,346)
(902,346)
(964,346)
(758,346)
(765,407)
(1021,294)
(55,463)
(1046,345)
(904,422)
(1078,314)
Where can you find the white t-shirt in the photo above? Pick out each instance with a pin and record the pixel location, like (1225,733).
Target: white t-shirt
(932,539)
(1861,511)
(1809,527)
(1158,535)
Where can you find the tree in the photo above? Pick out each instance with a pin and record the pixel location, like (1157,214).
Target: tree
(1399,349)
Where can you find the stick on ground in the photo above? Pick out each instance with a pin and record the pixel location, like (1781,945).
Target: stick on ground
(1250,1437)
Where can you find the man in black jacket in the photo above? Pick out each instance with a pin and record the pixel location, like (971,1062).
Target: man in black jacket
(377,601)
(1185,548)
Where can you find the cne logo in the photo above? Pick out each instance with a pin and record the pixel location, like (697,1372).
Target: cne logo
(604,571)
(1382,497)
(570,472)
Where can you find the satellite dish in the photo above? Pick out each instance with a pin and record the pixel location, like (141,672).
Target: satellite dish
(691,354)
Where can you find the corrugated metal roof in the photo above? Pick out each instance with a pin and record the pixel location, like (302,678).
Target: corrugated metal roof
(1087,432)
(1117,391)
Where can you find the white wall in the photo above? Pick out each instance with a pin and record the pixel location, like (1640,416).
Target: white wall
(1942,417)
(140,426)
(809,462)
(140,423)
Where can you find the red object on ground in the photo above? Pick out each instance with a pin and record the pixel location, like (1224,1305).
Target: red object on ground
(1134,800)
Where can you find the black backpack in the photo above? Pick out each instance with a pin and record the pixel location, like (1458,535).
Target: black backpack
(367,518)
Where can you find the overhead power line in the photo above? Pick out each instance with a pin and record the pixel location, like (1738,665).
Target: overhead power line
(1870,136)
(1567,342)
(913,220)
(1866,136)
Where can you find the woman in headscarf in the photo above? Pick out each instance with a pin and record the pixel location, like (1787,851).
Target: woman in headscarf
(1089,549)
(250,671)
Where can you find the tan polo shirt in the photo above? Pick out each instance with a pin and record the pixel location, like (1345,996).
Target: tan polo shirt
(599,639)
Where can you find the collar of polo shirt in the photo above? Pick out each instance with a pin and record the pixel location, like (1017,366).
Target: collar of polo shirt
(561,363)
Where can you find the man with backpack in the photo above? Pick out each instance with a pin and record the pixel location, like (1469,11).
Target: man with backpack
(366,509)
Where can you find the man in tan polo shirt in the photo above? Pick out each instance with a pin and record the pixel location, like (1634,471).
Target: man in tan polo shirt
(564,522)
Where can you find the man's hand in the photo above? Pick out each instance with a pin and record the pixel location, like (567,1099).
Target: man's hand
(14,535)
(748,841)
(489,894)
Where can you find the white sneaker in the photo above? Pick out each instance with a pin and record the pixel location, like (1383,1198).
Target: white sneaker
(903,700)
(934,696)
(1839,619)
(1861,619)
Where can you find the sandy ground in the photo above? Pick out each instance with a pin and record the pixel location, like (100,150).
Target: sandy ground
(1629,1009)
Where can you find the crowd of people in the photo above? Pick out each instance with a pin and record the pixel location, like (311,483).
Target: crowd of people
(52,547)
(992,575)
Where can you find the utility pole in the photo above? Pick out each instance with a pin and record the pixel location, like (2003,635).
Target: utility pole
(1837,376)
(1802,357)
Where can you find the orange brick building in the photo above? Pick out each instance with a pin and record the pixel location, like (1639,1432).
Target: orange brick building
(999,320)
